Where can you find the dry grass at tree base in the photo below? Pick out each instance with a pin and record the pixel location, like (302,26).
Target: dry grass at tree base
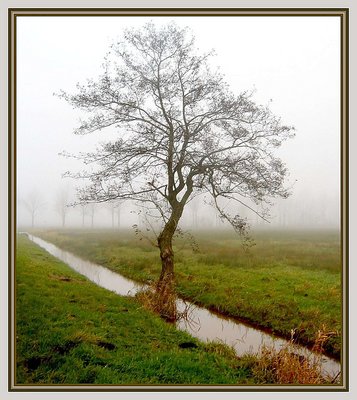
(165,306)
(150,300)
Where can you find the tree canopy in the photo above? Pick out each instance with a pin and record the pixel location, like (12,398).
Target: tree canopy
(181,131)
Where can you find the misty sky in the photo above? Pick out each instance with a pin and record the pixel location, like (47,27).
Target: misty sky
(292,63)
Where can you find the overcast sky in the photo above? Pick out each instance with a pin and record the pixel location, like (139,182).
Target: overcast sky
(292,63)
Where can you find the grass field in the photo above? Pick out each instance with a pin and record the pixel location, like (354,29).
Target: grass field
(69,331)
(289,280)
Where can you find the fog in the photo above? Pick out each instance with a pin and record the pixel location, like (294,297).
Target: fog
(292,64)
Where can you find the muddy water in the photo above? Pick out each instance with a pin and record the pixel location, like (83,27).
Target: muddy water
(201,324)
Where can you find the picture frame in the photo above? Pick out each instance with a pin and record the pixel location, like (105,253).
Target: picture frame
(266,392)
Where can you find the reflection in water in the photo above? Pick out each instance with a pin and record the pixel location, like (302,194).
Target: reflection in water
(201,323)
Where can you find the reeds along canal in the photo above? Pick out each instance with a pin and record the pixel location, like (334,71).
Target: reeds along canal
(201,323)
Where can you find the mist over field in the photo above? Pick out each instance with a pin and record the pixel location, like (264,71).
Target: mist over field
(288,214)
(300,84)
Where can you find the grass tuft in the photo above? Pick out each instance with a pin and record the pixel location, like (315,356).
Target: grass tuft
(287,367)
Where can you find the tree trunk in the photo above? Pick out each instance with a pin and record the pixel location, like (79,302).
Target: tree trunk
(165,289)
(166,285)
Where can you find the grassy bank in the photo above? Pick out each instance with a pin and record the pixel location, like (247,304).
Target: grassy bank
(287,281)
(69,331)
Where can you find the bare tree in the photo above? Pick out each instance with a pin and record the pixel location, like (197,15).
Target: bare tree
(119,210)
(195,204)
(111,208)
(84,211)
(61,205)
(92,208)
(114,207)
(181,132)
(33,204)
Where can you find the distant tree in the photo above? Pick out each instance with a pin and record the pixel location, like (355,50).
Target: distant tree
(33,204)
(118,211)
(119,215)
(114,207)
(92,208)
(83,208)
(62,205)
(195,204)
(111,208)
(181,132)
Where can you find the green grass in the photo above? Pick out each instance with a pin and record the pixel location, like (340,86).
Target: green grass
(289,280)
(69,331)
